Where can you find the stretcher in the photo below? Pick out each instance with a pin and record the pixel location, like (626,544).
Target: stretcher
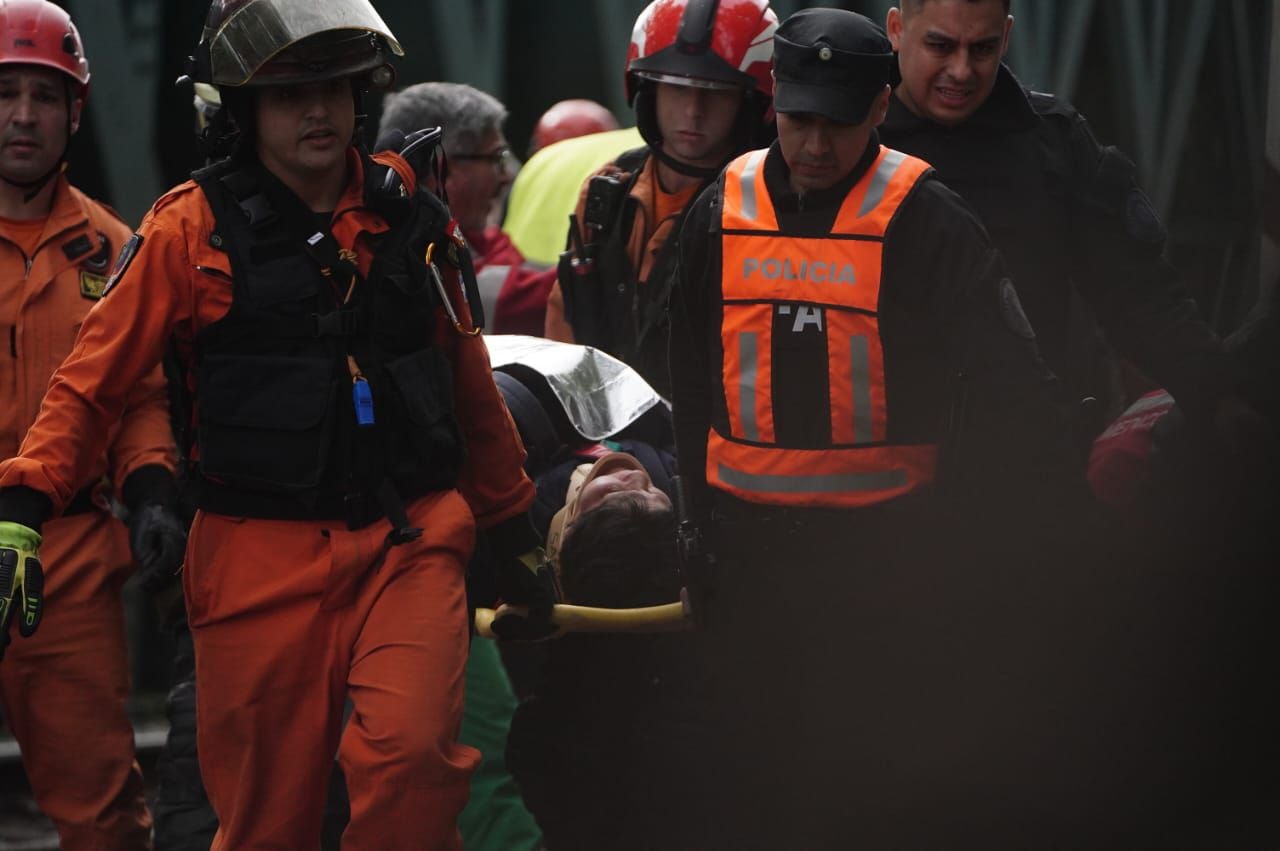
(670,617)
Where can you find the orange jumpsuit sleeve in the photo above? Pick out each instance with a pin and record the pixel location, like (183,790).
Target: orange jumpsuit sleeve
(146,433)
(556,326)
(492,479)
(115,356)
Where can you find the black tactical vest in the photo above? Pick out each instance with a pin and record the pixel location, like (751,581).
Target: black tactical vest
(605,302)
(277,433)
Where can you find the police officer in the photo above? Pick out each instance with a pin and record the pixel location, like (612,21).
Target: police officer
(56,247)
(698,78)
(1079,235)
(854,371)
(314,296)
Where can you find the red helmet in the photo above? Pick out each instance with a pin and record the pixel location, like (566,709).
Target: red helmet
(570,118)
(712,43)
(36,32)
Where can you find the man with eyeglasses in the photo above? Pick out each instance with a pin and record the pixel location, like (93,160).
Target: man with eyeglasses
(481,168)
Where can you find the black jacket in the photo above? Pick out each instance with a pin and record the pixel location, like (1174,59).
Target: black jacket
(1073,226)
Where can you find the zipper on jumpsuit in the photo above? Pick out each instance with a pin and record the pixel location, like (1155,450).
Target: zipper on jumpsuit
(28,262)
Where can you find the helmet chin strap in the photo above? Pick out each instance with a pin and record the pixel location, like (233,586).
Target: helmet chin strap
(700,172)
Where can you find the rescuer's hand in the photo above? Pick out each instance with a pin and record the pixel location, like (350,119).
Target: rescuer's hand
(21,581)
(528,587)
(157,535)
(158,540)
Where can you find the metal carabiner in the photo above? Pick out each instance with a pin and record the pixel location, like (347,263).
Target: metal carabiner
(444,296)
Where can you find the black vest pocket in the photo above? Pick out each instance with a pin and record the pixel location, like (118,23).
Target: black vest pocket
(427,438)
(292,278)
(265,421)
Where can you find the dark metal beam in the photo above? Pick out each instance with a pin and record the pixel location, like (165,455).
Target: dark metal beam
(1048,44)
(1269,267)
(123,48)
(474,49)
(1161,110)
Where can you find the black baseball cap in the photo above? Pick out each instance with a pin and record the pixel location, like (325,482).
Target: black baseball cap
(831,62)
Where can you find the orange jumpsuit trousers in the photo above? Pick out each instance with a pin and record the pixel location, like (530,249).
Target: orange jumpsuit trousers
(289,618)
(63,691)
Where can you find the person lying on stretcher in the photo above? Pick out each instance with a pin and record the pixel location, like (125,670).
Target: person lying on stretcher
(600,452)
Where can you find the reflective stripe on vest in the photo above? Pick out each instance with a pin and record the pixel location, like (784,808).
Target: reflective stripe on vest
(774,285)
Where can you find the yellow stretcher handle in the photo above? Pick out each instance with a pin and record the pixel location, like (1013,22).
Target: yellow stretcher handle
(671,617)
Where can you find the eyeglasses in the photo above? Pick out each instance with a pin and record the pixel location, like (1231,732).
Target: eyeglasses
(502,159)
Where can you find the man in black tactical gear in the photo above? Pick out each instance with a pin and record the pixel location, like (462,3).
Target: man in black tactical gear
(1080,237)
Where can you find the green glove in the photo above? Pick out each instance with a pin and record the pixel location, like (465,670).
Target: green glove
(21,581)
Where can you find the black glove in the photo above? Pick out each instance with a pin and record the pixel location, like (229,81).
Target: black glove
(528,582)
(157,537)
(158,541)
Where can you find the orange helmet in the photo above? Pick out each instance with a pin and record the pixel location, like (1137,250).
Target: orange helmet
(570,118)
(36,32)
(709,43)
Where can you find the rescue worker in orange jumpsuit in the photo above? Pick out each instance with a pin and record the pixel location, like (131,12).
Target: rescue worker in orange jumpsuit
(62,691)
(857,388)
(314,295)
(698,78)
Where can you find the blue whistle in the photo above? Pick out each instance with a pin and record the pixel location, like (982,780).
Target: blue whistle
(362,398)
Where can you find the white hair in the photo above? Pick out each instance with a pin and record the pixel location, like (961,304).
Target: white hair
(466,113)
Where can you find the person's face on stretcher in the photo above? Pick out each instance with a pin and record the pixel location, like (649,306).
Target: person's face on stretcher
(628,484)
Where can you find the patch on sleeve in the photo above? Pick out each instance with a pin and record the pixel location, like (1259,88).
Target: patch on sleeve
(1012,313)
(78,247)
(92,286)
(100,262)
(127,252)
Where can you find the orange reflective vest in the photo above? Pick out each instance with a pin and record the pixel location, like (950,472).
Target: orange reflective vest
(772,283)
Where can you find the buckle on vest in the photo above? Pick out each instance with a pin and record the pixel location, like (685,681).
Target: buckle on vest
(339,323)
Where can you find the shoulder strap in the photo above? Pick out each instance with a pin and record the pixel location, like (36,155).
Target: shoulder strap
(656,308)
(240,181)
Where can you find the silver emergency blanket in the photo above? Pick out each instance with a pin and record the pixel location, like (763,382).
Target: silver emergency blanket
(600,394)
(263,28)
